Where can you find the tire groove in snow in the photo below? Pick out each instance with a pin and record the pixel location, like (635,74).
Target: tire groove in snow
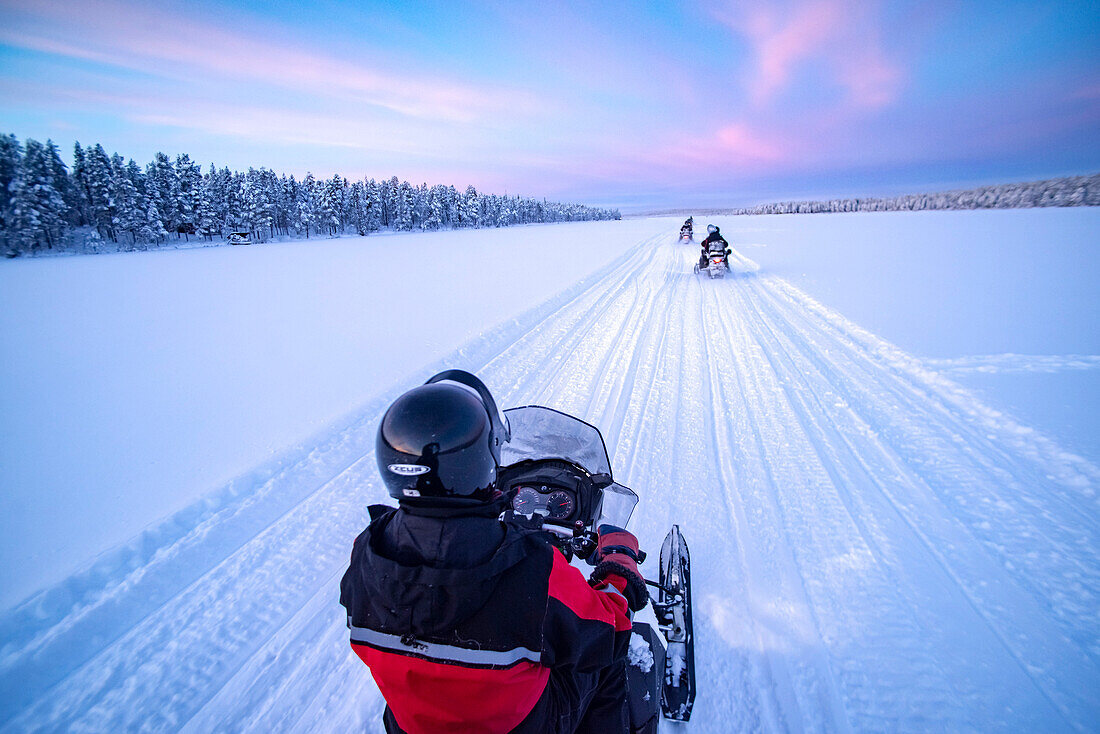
(988,575)
(795,651)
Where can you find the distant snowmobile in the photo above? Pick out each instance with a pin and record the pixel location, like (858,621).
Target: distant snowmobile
(556,475)
(687,230)
(715,262)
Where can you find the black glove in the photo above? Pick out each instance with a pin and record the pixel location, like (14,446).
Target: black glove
(617,555)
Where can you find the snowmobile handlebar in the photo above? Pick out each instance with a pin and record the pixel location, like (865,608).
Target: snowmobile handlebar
(574,537)
(581,540)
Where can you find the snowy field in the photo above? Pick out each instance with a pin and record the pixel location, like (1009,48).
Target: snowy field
(875,548)
(1005,302)
(147,380)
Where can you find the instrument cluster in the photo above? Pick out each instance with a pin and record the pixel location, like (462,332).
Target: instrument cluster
(545,500)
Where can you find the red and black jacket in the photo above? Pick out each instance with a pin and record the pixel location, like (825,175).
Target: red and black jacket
(471,624)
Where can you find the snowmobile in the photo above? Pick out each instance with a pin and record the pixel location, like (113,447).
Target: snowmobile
(686,234)
(716,263)
(556,476)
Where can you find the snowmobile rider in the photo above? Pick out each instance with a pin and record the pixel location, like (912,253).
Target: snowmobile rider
(686,230)
(469,622)
(714,242)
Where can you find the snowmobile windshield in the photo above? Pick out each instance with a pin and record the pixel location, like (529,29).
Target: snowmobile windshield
(544,433)
(616,506)
(540,433)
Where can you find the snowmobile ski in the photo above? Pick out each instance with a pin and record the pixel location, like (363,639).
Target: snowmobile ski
(673,610)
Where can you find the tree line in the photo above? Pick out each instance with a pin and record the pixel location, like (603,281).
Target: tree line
(1067,191)
(107,203)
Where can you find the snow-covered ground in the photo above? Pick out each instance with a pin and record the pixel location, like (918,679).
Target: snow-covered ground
(1006,302)
(145,380)
(874,548)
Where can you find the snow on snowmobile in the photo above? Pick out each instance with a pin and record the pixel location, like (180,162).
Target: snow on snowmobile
(556,475)
(716,263)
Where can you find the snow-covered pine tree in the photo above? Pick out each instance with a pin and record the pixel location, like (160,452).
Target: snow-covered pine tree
(99,191)
(80,185)
(328,207)
(420,207)
(37,209)
(390,191)
(471,208)
(504,215)
(59,177)
(11,158)
(129,213)
(404,207)
(209,222)
(223,197)
(450,207)
(344,192)
(269,184)
(236,219)
(286,193)
(137,178)
(305,215)
(374,206)
(256,204)
(189,176)
(357,208)
(152,229)
(434,219)
(490,206)
(163,187)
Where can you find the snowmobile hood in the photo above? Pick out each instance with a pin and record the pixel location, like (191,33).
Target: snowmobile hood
(424,575)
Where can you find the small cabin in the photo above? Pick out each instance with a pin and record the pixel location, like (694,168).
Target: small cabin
(239,238)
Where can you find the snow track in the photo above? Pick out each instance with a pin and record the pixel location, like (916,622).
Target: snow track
(873,549)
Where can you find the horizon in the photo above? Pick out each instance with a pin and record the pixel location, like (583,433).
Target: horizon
(603,106)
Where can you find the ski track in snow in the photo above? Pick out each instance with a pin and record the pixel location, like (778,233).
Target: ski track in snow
(1015,363)
(873,549)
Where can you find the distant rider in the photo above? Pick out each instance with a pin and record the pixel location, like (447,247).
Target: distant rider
(714,243)
(468,622)
(688,228)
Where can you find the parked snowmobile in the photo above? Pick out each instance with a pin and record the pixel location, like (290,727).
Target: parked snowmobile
(556,475)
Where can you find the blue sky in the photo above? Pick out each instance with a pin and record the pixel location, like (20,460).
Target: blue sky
(636,104)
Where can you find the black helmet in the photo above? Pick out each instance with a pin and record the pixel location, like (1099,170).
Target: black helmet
(440,443)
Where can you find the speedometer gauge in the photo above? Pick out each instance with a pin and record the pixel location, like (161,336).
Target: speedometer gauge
(560,505)
(526,501)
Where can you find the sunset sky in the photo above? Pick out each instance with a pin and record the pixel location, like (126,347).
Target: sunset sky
(639,105)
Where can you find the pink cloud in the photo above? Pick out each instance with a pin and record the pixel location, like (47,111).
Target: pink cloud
(839,35)
(146,38)
(733,150)
(782,41)
(738,141)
